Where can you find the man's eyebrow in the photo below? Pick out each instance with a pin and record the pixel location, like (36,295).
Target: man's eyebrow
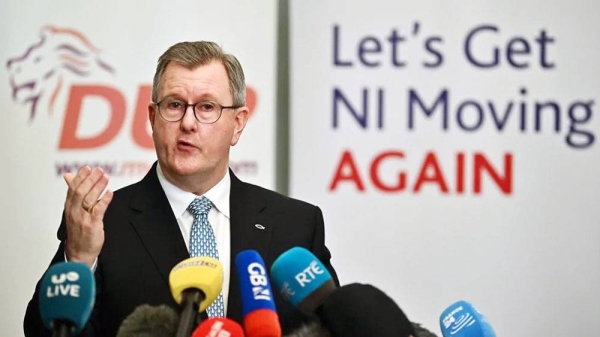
(202,97)
(207,96)
(173,95)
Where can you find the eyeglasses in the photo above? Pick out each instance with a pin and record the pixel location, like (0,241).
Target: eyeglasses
(206,112)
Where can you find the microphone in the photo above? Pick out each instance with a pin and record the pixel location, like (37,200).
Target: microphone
(312,329)
(302,279)
(462,319)
(218,327)
(150,321)
(363,310)
(195,283)
(67,295)
(422,331)
(258,307)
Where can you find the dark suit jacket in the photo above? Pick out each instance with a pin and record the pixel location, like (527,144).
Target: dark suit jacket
(143,242)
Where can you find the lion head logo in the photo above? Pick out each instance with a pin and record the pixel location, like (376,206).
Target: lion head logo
(39,71)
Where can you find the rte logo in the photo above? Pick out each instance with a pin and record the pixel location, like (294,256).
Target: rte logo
(308,274)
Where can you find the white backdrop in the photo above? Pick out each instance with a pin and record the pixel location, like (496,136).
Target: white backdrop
(112,46)
(498,205)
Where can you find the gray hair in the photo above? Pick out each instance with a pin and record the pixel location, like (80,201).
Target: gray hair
(194,54)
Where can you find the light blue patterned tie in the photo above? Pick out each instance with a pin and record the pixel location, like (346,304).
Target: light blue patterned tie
(203,243)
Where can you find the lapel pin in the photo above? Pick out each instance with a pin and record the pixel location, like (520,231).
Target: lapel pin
(259,226)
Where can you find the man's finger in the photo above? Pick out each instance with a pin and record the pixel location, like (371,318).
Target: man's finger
(73,180)
(93,195)
(101,206)
(85,187)
(83,173)
(68,177)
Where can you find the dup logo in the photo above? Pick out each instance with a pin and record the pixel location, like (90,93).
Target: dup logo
(55,63)
(38,74)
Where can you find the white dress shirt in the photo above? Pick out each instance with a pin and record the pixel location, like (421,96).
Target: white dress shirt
(218,218)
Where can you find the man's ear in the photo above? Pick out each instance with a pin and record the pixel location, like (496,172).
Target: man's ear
(152,114)
(239,123)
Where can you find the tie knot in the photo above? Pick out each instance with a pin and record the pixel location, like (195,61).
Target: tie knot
(200,206)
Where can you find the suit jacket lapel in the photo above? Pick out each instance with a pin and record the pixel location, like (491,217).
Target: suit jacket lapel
(156,225)
(250,229)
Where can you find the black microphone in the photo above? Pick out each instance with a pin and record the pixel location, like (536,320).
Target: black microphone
(422,332)
(315,329)
(150,321)
(351,310)
(312,329)
(357,310)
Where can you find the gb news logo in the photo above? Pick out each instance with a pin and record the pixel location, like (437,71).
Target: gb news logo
(63,284)
(259,282)
(456,324)
(65,60)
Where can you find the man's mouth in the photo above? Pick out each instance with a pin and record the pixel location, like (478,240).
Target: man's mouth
(185,145)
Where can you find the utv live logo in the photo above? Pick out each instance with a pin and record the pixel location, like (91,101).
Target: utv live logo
(61,286)
(54,63)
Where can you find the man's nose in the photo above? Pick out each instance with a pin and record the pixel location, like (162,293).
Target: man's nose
(189,121)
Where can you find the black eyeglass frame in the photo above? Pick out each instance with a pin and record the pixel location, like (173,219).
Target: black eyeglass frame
(193,105)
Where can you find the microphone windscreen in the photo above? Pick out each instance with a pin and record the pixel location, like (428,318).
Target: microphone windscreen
(357,310)
(258,306)
(217,327)
(421,331)
(312,329)
(301,278)
(150,321)
(462,319)
(67,293)
(254,282)
(204,273)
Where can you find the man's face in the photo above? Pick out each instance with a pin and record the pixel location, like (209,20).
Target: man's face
(188,148)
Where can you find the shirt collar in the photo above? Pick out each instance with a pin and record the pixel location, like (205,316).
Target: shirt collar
(180,199)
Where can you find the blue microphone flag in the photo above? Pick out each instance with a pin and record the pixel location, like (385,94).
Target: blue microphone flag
(462,319)
(297,273)
(255,287)
(67,293)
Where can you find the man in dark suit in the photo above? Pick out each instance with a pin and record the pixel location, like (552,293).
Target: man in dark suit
(132,238)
